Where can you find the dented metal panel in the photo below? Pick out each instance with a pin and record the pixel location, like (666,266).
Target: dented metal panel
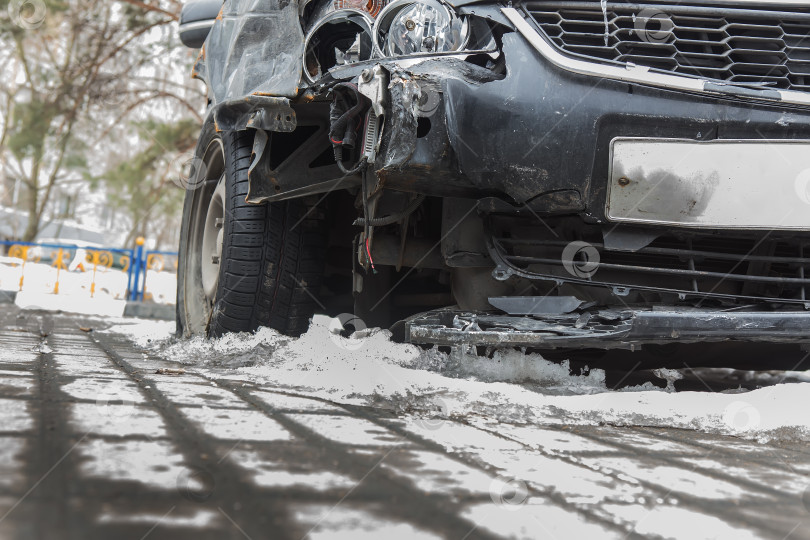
(254,48)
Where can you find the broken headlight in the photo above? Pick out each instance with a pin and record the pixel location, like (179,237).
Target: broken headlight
(339,38)
(406,27)
(345,32)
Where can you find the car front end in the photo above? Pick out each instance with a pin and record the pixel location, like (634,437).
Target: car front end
(580,174)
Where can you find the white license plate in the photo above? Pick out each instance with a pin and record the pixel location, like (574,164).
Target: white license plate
(741,184)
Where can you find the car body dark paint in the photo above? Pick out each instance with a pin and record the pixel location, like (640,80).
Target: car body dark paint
(534,138)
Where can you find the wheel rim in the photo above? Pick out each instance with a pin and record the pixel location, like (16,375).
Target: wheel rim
(206,232)
(213,233)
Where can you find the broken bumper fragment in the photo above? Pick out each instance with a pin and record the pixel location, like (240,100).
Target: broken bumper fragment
(607,329)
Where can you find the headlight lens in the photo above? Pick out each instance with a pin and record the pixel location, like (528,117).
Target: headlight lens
(406,27)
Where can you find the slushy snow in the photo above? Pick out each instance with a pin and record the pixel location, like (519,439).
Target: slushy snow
(509,388)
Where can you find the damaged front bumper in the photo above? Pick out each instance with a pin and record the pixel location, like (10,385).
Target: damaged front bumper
(607,329)
(513,117)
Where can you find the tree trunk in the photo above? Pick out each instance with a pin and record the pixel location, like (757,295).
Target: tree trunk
(32,227)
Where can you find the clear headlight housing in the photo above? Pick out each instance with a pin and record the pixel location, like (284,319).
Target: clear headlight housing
(408,27)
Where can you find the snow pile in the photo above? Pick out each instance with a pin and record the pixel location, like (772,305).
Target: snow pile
(146,333)
(511,387)
(74,291)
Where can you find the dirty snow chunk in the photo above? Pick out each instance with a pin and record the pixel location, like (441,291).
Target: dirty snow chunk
(116,420)
(316,361)
(328,522)
(669,375)
(201,350)
(674,522)
(348,429)
(15,415)
(514,366)
(237,424)
(280,474)
(200,519)
(431,472)
(153,463)
(534,520)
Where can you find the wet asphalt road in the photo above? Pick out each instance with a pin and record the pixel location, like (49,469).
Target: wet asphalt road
(101,440)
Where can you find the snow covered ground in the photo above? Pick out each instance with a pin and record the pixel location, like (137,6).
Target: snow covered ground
(76,293)
(511,414)
(510,388)
(342,438)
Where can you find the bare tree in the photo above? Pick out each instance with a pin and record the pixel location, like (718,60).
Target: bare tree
(76,73)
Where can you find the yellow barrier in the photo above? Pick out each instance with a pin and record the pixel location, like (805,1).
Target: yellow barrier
(59,263)
(98,258)
(19,252)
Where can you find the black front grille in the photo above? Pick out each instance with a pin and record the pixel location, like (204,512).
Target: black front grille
(693,268)
(761,48)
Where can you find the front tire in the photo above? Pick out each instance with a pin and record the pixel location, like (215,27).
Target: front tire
(243,266)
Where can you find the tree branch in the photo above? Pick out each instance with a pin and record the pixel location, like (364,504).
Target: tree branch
(154,9)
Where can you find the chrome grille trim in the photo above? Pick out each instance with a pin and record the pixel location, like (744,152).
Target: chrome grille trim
(633,73)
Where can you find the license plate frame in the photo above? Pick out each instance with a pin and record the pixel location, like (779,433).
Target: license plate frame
(721,184)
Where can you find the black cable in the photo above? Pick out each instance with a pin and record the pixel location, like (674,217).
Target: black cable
(340,132)
(342,129)
(339,159)
(393,218)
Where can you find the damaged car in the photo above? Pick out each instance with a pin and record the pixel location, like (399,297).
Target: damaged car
(534,173)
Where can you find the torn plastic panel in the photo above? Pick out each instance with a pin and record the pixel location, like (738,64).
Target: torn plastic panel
(255,112)
(254,48)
